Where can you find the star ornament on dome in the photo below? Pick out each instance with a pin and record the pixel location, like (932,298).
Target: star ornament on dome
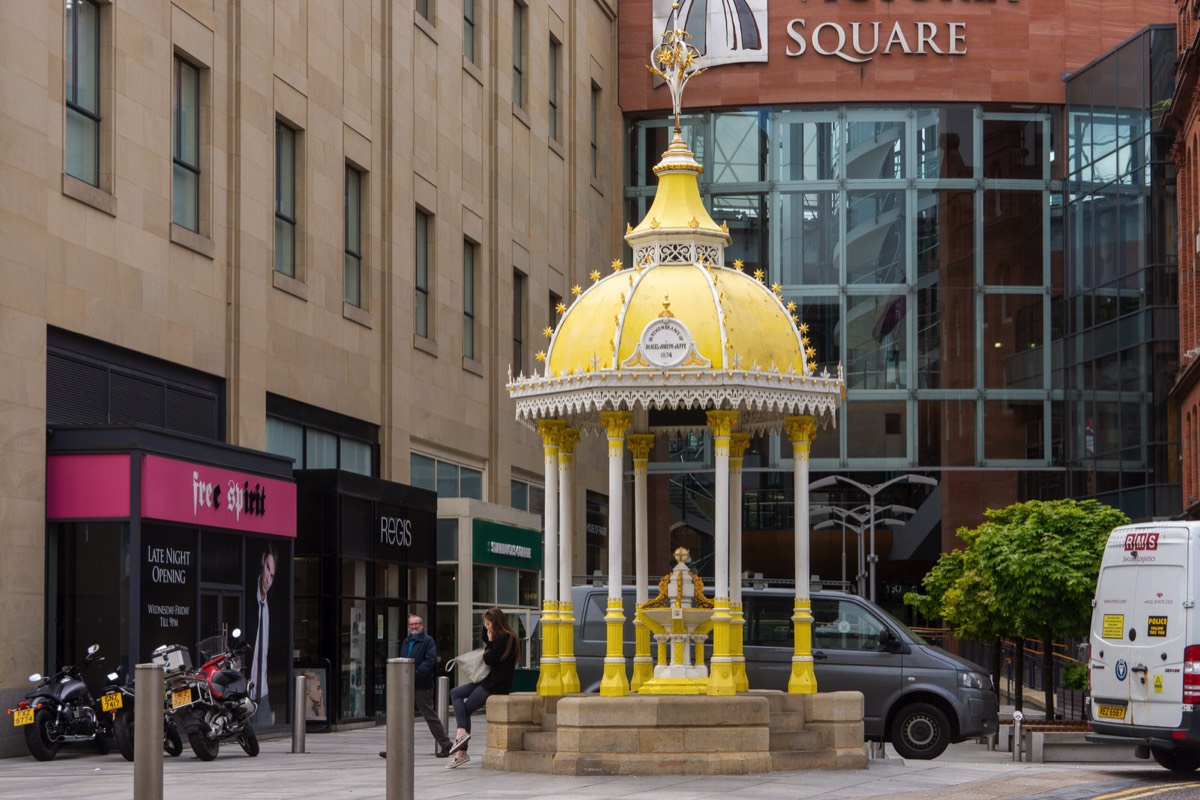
(804,327)
(738,264)
(759,275)
(548,331)
(616,265)
(777,288)
(540,355)
(577,290)
(791,306)
(594,275)
(811,353)
(561,308)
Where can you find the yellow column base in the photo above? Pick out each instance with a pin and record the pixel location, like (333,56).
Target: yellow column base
(803,679)
(550,669)
(568,675)
(615,682)
(737,627)
(643,667)
(720,668)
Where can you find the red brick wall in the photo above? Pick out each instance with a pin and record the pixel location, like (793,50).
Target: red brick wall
(1016,52)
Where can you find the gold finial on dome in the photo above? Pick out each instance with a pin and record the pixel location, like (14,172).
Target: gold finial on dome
(628,227)
(675,61)
(724,227)
(666,312)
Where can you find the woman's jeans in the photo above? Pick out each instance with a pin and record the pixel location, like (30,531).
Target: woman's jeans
(467,699)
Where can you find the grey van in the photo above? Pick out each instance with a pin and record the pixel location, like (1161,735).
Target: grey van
(917,696)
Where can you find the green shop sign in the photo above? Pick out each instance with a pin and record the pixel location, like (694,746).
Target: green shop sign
(506,545)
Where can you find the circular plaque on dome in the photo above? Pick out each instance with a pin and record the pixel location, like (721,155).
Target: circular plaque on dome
(666,342)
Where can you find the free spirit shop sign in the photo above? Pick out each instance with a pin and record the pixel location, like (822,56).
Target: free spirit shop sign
(198,494)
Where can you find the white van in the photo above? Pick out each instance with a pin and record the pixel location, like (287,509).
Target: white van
(1145,643)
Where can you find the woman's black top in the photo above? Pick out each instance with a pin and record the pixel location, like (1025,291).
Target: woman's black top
(499,680)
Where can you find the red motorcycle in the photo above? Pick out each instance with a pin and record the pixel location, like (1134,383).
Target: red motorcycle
(212,703)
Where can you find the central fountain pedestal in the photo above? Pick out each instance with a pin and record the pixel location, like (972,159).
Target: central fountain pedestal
(755,732)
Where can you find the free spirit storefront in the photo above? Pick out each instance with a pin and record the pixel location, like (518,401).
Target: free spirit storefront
(154,538)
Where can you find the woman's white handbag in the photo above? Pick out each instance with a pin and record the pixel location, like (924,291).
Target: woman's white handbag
(472,665)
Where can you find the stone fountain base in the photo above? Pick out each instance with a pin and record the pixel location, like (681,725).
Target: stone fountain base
(755,732)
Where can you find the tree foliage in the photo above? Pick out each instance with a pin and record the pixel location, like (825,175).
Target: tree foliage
(1028,569)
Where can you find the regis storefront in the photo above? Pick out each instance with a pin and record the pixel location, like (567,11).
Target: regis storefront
(154,538)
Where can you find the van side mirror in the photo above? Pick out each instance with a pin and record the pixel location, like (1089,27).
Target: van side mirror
(888,641)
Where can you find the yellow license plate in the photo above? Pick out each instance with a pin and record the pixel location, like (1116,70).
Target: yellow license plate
(181,698)
(111,702)
(23,716)
(1110,712)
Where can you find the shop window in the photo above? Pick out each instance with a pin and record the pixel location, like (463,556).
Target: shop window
(528,588)
(89,588)
(313,447)
(483,585)
(445,477)
(506,587)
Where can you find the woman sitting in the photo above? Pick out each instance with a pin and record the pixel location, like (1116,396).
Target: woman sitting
(500,650)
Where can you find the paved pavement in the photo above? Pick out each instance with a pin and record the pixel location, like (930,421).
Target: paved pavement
(346,765)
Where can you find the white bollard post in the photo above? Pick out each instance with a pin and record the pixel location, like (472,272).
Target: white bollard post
(401,674)
(299,717)
(148,732)
(443,707)
(1016,742)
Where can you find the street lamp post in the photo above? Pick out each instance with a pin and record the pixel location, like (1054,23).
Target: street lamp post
(871,491)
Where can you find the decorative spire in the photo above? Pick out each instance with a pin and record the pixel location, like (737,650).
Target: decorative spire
(675,61)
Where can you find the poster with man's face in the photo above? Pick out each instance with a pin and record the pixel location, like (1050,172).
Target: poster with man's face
(268,625)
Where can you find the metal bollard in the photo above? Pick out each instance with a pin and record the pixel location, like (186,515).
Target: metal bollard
(1016,742)
(299,717)
(148,732)
(401,674)
(443,707)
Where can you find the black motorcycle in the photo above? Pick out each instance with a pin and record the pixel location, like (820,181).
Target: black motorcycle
(212,703)
(117,699)
(61,709)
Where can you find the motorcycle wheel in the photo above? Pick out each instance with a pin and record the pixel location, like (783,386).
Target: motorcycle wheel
(101,741)
(37,736)
(123,733)
(248,740)
(172,744)
(206,749)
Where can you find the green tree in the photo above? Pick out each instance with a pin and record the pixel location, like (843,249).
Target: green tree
(1029,571)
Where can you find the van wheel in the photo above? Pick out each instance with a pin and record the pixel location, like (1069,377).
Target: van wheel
(1177,760)
(920,730)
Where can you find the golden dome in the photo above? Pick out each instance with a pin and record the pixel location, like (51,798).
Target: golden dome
(732,320)
(678,328)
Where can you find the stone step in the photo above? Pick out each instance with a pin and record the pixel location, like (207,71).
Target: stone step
(795,740)
(540,742)
(794,760)
(549,722)
(541,763)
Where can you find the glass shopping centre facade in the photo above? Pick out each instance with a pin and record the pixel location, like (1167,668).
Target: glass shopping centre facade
(998,282)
